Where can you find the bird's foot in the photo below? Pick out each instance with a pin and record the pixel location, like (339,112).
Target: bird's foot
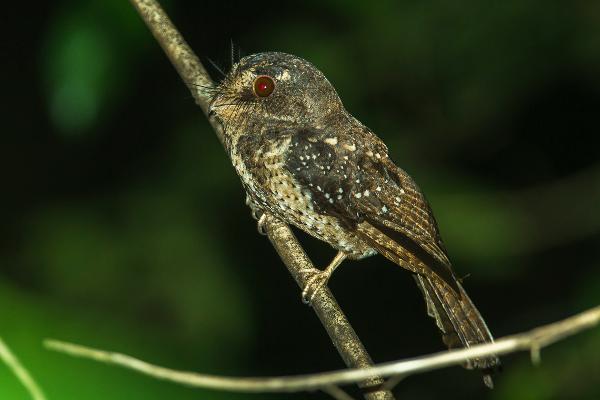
(262,229)
(317,280)
(314,284)
(258,215)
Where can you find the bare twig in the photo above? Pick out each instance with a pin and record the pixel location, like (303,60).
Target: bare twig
(531,341)
(333,319)
(17,368)
(336,393)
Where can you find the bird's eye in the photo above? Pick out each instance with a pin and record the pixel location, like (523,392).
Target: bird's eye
(263,86)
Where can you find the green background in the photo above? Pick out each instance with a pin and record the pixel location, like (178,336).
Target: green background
(124,225)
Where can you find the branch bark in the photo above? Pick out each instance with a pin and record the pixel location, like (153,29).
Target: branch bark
(532,341)
(299,265)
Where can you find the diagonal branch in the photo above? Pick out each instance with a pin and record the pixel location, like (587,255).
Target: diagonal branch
(532,341)
(19,370)
(333,319)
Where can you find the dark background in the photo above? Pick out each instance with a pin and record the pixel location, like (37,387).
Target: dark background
(123,225)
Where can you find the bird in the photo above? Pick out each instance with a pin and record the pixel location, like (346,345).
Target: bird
(304,159)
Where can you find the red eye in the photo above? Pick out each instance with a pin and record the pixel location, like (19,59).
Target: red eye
(263,86)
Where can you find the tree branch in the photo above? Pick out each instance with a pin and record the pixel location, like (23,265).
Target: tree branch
(333,319)
(19,370)
(532,341)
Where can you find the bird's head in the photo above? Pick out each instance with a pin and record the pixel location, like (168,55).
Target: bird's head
(270,90)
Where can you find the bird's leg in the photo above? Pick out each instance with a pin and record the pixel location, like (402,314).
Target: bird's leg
(320,279)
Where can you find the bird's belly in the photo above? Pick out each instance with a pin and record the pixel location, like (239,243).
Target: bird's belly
(330,231)
(272,189)
(285,199)
(322,227)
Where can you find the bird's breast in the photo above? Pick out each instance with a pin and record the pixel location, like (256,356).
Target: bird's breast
(273,188)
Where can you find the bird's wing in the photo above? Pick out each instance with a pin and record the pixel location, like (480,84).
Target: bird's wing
(353,179)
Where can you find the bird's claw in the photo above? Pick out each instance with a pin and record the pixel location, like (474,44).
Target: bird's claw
(262,229)
(256,212)
(313,285)
(258,215)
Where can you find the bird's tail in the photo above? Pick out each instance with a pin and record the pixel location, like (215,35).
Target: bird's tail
(459,320)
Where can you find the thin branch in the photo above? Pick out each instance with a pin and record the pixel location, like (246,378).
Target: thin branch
(336,393)
(19,370)
(532,341)
(333,319)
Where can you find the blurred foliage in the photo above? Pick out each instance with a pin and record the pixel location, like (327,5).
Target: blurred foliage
(124,226)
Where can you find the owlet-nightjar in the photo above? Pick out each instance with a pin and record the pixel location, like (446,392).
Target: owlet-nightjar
(304,159)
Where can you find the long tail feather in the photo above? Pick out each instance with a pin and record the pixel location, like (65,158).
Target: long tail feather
(459,321)
(447,302)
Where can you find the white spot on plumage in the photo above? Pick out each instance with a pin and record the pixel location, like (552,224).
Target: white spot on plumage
(285,75)
(358,195)
(332,141)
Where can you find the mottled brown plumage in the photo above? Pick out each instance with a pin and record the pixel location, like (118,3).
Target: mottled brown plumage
(303,158)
